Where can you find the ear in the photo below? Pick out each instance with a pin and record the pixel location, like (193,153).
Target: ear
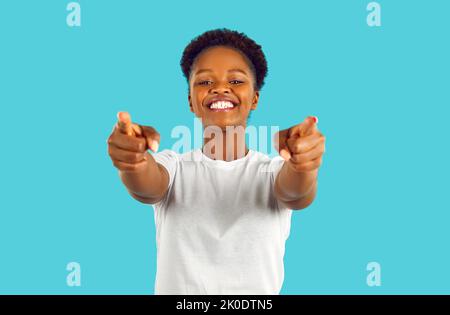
(255,100)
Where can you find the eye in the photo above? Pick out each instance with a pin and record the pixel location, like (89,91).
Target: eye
(203,82)
(238,81)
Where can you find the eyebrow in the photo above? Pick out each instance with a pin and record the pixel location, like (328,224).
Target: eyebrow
(231,70)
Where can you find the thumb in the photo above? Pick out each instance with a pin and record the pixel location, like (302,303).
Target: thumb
(280,144)
(124,122)
(153,144)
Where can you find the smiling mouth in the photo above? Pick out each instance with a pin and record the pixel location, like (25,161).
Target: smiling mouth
(222,106)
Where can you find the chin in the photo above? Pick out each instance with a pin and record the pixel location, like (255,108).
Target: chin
(227,122)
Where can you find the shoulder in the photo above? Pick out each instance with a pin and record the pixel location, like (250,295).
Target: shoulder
(271,163)
(171,156)
(167,153)
(267,165)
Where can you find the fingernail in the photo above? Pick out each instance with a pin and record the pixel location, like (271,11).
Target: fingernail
(316,120)
(285,155)
(154,146)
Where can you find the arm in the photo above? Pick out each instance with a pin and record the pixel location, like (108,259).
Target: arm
(302,147)
(296,190)
(148,185)
(145,179)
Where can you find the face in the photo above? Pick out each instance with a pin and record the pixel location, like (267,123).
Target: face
(222,72)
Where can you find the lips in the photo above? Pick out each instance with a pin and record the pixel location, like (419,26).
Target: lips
(220,99)
(222,106)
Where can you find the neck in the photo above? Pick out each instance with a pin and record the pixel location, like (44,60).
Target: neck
(226,144)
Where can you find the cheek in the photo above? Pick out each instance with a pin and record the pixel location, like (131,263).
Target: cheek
(247,98)
(197,97)
(244,92)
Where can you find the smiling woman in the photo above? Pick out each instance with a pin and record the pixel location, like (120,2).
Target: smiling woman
(222,212)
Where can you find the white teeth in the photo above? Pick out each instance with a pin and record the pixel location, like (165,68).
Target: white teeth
(221,105)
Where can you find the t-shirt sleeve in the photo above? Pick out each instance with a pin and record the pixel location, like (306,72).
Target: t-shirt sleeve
(168,159)
(275,166)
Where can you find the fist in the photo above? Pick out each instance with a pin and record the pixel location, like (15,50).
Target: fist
(302,146)
(128,144)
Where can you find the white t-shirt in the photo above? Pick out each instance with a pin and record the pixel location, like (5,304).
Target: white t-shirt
(219,229)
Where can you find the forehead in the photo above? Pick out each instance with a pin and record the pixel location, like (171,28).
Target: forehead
(220,58)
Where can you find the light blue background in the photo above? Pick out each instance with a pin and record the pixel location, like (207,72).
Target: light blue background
(381,95)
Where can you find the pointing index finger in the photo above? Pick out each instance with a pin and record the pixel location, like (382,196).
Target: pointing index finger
(124,122)
(309,126)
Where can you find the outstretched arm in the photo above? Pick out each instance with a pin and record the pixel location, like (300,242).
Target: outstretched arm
(145,179)
(302,146)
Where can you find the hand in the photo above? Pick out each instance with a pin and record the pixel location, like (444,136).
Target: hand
(128,144)
(302,145)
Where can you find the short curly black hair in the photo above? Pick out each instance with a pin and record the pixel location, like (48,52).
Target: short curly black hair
(229,38)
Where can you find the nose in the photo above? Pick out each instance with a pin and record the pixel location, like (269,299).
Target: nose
(220,89)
